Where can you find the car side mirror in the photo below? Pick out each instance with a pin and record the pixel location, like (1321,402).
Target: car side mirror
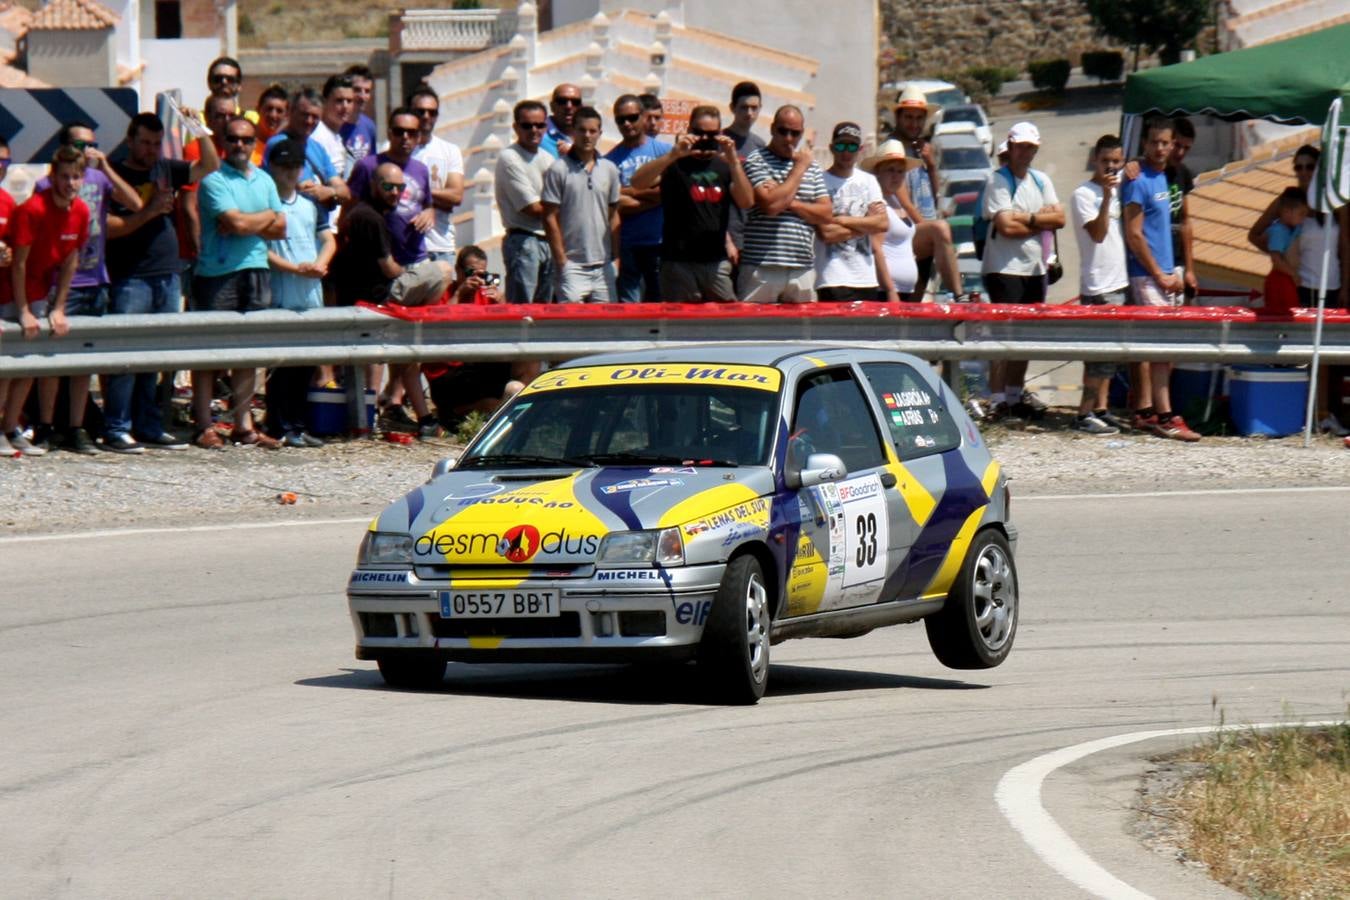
(819,468)
(443,465)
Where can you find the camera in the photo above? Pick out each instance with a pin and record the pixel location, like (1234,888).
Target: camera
(706,143)
(492,279)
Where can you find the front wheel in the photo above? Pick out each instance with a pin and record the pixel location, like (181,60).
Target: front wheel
(412,674)
(733,656)
(977,624)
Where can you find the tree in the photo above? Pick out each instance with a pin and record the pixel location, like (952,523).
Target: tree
(1165,26)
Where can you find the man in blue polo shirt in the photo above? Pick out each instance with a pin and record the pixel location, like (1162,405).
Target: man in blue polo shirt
(240,213)
(639,209)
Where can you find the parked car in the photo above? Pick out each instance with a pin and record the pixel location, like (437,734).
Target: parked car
(961,157)
(697,504)
(965,117)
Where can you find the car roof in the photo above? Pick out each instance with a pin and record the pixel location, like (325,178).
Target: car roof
(781,356)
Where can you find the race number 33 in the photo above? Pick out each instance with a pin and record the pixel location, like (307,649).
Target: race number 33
(866,529)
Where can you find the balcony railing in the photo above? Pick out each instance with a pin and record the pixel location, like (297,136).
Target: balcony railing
(453,29)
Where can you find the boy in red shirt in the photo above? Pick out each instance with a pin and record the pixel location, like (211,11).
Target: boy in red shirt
(46,235)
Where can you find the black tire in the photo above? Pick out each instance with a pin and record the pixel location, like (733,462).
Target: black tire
(733,656)
(412,673)
(977,624)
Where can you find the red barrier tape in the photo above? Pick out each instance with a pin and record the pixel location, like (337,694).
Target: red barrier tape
(959,312)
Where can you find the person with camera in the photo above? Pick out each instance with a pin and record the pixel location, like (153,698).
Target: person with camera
(458,388)
(701,181)
(1024,212)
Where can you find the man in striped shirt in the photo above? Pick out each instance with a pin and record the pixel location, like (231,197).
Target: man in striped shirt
(778,254)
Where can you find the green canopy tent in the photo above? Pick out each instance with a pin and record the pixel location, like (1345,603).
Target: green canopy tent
(1304,80)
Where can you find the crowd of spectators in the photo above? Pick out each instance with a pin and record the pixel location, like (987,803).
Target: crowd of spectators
(298,203)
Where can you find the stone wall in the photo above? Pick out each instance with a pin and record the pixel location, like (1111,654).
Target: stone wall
(934,37)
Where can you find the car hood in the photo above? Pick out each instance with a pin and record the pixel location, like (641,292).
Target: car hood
(523,517)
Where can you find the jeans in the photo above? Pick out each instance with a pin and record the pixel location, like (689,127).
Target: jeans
(639,274)
(86,301)
(132,397)
(529,268)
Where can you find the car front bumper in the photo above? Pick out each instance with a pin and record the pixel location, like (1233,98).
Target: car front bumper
(397,613)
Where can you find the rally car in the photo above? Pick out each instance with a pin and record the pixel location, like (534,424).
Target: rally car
(697,504)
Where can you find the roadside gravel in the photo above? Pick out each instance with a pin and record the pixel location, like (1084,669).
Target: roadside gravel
(63,492)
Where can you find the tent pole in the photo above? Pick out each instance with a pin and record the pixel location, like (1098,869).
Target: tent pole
(1326,170)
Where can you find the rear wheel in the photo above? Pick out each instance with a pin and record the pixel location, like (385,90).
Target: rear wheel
(734,653)
(412,673)
(977,624)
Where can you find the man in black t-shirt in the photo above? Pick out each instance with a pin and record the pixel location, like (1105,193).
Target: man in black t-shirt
(145,269)
(701,180)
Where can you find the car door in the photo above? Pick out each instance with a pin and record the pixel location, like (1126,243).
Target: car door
(846,546)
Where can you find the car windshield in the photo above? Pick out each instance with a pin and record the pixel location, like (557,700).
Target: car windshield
(961,114)
(945,97)
(964,158)
(632,424)
(964,187)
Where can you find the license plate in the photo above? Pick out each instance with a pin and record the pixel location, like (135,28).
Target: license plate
(499,604)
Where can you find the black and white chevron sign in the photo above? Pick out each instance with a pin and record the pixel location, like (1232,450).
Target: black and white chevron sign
(30,118)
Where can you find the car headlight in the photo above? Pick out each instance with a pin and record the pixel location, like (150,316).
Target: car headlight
(384,548)
(642,548)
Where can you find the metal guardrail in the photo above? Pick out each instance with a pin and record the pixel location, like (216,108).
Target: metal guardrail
(354,336)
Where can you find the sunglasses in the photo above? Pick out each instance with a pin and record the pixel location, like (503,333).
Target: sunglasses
(628,120)
(80,145)
(704,134)
(239,139)
(532,126)
(567,101)
(788,132)
(845,147)
(391,185)
(228,79)
(405,132)
(428,111)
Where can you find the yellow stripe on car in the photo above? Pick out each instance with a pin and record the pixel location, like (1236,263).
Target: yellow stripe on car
(990,479)
(956,555)
(763,378)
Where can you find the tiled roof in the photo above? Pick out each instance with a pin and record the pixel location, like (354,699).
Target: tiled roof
(73,15)
(1227,201)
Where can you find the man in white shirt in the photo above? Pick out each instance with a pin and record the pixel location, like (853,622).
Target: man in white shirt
(445,162)
(339,99)
(846,270)
(1095,211)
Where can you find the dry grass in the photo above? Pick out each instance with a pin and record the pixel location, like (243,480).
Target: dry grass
(265,22)
(1270,813)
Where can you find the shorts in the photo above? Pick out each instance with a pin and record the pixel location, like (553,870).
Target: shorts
(246,291)
(1308,297)
(1014,288)
(587,283)
(420,284)
(87,301)
(847,294)
(772,284)
(695,282)
(1110,298)
(1144,291)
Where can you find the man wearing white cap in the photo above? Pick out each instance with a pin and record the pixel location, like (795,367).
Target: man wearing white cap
(1021,205)
(845,268)
(932,235)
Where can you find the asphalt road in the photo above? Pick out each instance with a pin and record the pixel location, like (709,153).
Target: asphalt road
(182,717)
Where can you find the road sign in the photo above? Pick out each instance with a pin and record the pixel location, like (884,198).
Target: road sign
(31,118)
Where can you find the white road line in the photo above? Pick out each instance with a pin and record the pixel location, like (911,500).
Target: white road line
(187,529)
(1201,492)
(1019,797)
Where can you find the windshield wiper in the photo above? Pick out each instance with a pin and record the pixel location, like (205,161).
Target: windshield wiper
(656,459)
(530,459)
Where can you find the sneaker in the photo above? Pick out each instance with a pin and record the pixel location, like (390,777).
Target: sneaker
(43,436)
(1090,424)
(429,431)
(6,448)
(209,439)
(165,441)
(17,443)
(122,443)
(1113,420)
(1175,429)
(254,438)
(300,439)
(1002,412)
(396,418)
(310,440)
(79,441)
(1147,424)
(1332,425)
(1031,401)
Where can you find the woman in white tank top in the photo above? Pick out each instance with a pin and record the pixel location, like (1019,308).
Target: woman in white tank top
(893,250)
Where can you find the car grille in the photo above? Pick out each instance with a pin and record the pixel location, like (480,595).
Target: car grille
(513,573)
(567,625)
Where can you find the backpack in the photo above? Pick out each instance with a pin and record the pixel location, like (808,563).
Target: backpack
(980,227)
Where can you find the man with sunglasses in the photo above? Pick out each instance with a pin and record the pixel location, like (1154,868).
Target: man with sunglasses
(564,104)
(701,181)
(225,78)
(639,208)
(518,186)
(445,168)
(412,215)
(581,216)
(241,211)
(846,268)
(778,258)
